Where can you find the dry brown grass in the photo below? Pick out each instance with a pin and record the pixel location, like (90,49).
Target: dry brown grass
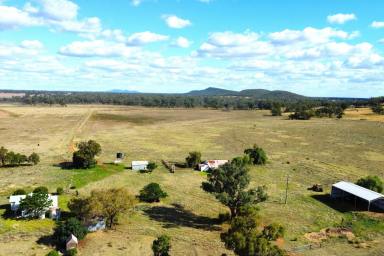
(316,151)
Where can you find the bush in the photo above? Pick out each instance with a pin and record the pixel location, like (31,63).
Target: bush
(152,193)
(34,159)
(72,252)
(193,159)
(151,166)
(161,246)
(41,189)
(19,192)
(68,227)
(53,253)
(257,155)
(371,182)
(59,191)
(273,232)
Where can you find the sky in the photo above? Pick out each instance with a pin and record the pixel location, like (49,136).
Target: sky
(315,48)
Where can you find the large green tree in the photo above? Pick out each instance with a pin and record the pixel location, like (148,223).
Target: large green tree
(229,183)
(152,193)
(84,157)
(36,204)
(161,246)
(66,228)
(257,155)
(193,159)
(371,182)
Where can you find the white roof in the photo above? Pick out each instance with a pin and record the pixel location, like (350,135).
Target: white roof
(358,191)
(16,199)
(139,162)
(72,238)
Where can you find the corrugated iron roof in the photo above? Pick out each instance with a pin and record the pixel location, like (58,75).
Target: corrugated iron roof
(139,162)
(358,191)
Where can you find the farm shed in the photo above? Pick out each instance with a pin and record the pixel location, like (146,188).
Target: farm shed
(54,210)
(139,165)
(211,164)
(351,191)
(71,243)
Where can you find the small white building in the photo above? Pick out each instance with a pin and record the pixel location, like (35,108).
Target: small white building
(71,243)
(139,165)
(352,192)
(211,165)
(54,211)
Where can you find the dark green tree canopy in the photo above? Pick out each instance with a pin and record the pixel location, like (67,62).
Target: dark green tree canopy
(161,246)
(18,192)
(193,159)
(36,204)
(257,155)
(371,182)
(152,193)
(228,183)
(68,227)
(84,157)
(41,189)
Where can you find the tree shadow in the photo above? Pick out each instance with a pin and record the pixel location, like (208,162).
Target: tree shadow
(8,213)
(346,205)
(177,215)
(65,165)
(47,240)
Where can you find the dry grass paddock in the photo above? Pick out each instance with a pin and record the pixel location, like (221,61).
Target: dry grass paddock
(316,151)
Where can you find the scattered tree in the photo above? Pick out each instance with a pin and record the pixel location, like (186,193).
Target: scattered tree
(302,115)
(161,246)
(276,109)
(72,252)
(151,166)
(59,191)
(152,193)
(228,183)
(257,155)
(378,109)
(84,157)
(273,231)
(66,228)
(18,192)
(371,182)
(41,189)
(3,155)
(242,160)
(34,158)
(194,159)
(81,208)
(36,204)
(110,204)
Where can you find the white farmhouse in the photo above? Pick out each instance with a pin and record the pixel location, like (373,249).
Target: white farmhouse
(53,210)
(139,165)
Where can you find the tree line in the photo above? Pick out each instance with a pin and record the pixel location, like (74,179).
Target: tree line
(10,158)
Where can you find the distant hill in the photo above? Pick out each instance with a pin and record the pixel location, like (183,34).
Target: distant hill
(254,93)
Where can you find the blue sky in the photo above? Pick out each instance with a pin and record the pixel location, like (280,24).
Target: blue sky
(316,48)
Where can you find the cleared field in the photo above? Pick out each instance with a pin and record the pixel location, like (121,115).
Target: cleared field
(316,151)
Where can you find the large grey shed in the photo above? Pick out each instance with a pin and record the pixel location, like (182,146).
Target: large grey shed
(344,189)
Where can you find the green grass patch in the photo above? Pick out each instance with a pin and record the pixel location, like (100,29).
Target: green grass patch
(363,225)
(82,177)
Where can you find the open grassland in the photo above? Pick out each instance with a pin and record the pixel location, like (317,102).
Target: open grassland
(316,151)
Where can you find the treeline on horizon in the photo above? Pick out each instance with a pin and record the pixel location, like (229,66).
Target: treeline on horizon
(182,101)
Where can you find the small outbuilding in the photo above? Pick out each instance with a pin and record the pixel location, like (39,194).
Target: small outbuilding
(139,165)
(352,192)
(211,165)
(71,243)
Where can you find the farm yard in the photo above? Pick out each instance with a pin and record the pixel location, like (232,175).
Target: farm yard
(318,151)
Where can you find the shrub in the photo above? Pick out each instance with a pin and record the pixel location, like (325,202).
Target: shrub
(72,252)
(371,182)
(19,192)
(257,155)
(41,189)
(152,193)
(59,191)
(34,158)
(53,253)
(273,232)
(68,227)
(193,159)
(161,246)
(151,166)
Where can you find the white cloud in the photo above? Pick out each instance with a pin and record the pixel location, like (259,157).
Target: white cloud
(181,42)
(229,38)
(377,24)
(58,9)
(341,18)
(381,41)
(12,17)
(175,22)
(32,44)
(96,48)
(136,2)
(146,37)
